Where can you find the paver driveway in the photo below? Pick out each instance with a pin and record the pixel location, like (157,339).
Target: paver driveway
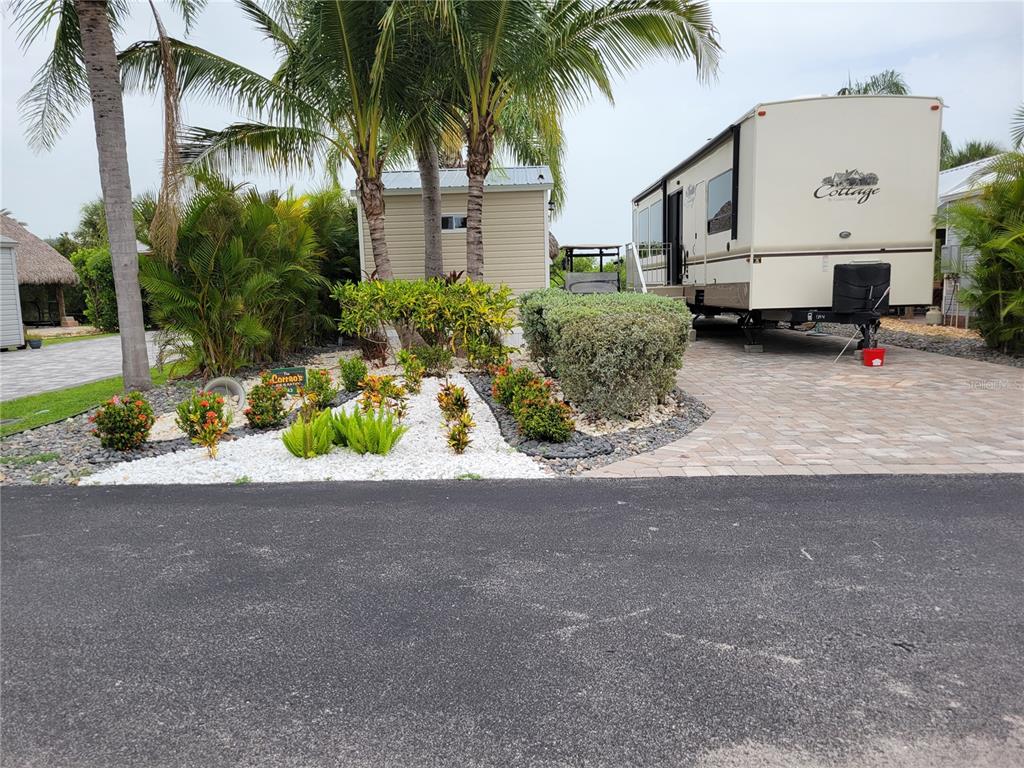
(791,411)
(30,371)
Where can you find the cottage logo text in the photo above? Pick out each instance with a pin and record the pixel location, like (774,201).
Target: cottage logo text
(849,185)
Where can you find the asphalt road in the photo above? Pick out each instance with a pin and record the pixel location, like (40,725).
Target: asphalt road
(852,621)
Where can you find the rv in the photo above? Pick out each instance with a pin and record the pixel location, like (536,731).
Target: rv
(813,209)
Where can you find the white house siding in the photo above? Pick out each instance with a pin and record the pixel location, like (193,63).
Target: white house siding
(515,246)
(11,331)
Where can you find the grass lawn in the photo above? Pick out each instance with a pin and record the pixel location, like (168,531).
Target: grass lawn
(67,339)
(47,407)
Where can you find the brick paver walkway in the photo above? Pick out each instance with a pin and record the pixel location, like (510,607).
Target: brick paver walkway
(792,411)
(30,371)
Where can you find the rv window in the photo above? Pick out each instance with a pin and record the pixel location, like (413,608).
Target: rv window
(641,227)
(656,236)
(452,222)
(720,203)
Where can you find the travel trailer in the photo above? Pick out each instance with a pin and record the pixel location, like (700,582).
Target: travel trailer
(813,209)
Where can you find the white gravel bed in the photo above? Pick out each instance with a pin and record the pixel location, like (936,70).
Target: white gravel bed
(422,454)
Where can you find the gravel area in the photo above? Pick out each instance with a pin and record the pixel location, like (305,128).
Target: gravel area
(970,347)
(420,455)
(582,451)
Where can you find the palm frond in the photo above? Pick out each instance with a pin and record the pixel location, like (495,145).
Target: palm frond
(59,87)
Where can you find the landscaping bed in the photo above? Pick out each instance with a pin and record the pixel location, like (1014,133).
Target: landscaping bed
(422,453)
(609,394)
(66,450)
(586,451)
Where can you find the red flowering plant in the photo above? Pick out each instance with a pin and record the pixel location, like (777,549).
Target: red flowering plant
(265,404)
(123,422)
(203,418)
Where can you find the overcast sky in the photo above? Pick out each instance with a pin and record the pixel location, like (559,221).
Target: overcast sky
(970,54)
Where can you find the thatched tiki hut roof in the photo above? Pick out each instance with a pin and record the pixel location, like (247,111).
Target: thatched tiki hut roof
(38,262)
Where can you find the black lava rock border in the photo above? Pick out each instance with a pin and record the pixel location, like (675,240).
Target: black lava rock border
(579,446)
(582,451)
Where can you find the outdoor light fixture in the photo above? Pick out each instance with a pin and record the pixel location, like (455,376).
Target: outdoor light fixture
(551,206)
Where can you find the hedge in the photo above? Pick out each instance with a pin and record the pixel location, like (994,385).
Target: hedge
(443,313)
(614,354)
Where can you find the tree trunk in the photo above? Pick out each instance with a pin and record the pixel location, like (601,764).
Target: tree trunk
(108,119)
(371,197)
(430,183)
(478,165)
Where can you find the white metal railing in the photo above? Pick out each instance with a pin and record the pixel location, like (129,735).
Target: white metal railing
(634,270)
(650,261)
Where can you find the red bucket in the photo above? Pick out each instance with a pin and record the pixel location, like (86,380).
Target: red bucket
(874,358)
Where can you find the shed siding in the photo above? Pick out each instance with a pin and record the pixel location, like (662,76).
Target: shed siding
(515,249)
(11,331)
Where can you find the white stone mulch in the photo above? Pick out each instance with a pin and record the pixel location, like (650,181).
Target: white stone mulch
(422,454)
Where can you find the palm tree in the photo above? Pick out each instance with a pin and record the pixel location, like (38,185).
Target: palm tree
(326,103)
(541,58)
(244,281)
(83,65)
(969,152)
(991,225)
(888,82)
(1017,128)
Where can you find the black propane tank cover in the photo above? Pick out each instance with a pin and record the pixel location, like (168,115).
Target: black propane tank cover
(858,287)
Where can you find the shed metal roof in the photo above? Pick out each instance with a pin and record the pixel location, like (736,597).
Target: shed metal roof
(538,176)
(963,181)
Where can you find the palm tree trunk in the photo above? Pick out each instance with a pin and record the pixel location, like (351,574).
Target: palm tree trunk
(371,197)
(430,183)
(478,164)
(108,119)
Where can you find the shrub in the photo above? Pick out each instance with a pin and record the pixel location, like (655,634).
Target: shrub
(203,419)
(442,312)
(412,370)
(436,360)
(265,404)
(123,422)
(458,432)
(320,385)
(311,435)
(353,370)
(97,278)
(538,414)
(614,354)
(453,401)
(541,417)
(508,381)
(375,431)
(454,405)
(383,392)
(243,283)
(483,355)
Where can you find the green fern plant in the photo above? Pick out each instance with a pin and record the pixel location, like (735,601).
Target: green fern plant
(310,436)
(375,431)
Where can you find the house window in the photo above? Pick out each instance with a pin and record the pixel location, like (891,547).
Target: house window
(453,222)
(720,203)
